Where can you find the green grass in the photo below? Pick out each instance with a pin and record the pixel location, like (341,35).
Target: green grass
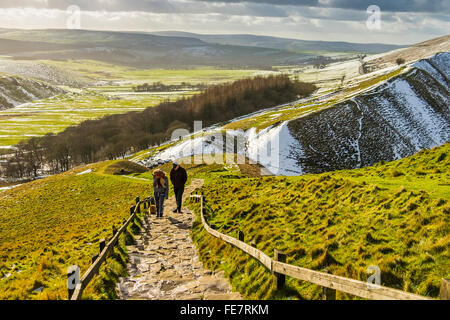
(94,70)
(50,224)
(123,167)
(265,120)
(365,84)
(393,215)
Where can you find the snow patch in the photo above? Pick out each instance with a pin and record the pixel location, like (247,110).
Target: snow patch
(84,172)
(273,147)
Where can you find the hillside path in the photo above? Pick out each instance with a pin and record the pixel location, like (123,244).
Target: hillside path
(164,263)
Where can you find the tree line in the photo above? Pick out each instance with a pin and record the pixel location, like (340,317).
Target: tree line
(159,87)
(115,136)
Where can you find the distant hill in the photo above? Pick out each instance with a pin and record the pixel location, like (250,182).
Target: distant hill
(139,49)
(171,49)
(413,53)
(293,45)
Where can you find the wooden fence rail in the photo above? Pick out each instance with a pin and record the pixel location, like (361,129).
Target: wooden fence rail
(329,282)
(105,250)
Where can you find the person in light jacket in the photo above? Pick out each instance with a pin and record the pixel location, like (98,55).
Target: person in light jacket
(160,191)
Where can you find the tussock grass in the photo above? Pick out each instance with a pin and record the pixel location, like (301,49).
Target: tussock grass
(344,221)
(124,167)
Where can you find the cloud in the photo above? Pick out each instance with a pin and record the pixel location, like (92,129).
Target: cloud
(385,5)
(402,21)
(436,6)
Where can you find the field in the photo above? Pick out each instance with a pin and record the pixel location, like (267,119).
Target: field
(56,114)
(101,72)
(392,215)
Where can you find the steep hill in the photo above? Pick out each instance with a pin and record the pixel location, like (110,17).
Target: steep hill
(16,90)
(410,112)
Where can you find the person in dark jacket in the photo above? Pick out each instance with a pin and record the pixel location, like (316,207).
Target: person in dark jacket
(160,191)
(178,177)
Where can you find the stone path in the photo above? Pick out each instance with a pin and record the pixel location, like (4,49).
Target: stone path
(164,263)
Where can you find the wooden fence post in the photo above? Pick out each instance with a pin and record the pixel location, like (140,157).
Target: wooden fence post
(138,204)
(73,278)
(132,210)
(241,236)
(328,293)
(94,257)
(114,231)
(445,289)
(138,208)
(102,245)
(280,279)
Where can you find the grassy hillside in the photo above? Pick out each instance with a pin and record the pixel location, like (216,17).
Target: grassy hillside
(394,215)
(50,224)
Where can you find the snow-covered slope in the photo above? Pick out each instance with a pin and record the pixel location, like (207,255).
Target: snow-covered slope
(17,90)
(395,120)
(386,121)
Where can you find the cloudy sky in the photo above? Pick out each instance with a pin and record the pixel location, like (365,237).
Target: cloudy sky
(401,21)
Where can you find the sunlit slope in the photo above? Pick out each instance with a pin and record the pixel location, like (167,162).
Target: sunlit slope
(392,215)
(50,224)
